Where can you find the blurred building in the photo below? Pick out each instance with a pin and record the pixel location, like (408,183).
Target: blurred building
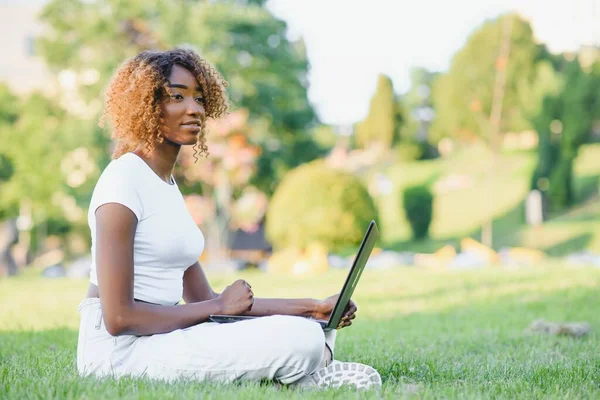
(251,247)
(21,66)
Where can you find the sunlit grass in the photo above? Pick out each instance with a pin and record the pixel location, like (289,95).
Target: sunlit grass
(431,334)
(462,212)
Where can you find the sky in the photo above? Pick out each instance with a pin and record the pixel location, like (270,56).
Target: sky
(349,42)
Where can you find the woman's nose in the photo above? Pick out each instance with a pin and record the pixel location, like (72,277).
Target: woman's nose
(195,109)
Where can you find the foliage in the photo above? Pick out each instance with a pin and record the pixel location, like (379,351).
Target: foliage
(462,97)
(381,124)
(417,106)
(418,208)
(547,82)
(37,144)
(47,163)
(9,113)
(325,136)
(564,123)
(9,106)
(410,151)
(315,203)
(6,168)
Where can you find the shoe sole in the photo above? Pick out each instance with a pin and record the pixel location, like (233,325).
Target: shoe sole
(343,373)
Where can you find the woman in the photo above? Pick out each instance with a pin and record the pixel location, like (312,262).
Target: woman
(145,248)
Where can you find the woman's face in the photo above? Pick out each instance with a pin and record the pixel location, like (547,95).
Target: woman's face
(183,110)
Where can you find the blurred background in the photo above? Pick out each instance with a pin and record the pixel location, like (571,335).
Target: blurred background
(469,130)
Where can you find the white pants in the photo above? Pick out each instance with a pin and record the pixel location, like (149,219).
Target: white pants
(280,348)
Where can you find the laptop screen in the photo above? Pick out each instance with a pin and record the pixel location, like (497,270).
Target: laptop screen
(360,261)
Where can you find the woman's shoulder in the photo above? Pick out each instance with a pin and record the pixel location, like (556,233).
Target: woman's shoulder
(123,167)
(120,173)
(118,183)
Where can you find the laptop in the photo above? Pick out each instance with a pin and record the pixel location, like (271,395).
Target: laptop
(360,261)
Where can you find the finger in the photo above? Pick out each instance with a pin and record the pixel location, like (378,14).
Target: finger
(247,284)
(242,282)
(352,306)
(349,311)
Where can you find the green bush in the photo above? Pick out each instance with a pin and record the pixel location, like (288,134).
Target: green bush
(410,151)
(315,203)
(418,208)
(6,168)
(560,189)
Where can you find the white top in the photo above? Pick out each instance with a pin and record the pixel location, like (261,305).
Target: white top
(167,241)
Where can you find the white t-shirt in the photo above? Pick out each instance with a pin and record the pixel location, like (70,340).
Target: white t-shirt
(167,241)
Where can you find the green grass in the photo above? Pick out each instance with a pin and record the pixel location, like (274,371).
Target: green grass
(430,333)
(462,212)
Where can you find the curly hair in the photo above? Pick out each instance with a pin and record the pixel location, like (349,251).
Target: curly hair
(139,86)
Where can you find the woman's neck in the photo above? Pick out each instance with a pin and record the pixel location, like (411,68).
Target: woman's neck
(162,159)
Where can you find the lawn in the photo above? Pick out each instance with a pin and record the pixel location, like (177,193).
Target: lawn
(461,212)
(430,333)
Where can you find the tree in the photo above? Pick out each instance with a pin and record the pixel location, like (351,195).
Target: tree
(30,142)
(564,123)
(267,73)
(547,83)
(9,106)
(418,209)
(9,112)
(51,169)
(318,204)
(463,96)
(417,105)
(381,124)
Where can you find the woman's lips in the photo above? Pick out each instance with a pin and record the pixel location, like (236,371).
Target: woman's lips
(191,127)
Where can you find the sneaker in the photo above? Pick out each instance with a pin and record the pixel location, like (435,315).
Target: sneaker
(339,374)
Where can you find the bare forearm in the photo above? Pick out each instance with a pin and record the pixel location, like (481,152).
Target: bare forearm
(297,307)
(147,319)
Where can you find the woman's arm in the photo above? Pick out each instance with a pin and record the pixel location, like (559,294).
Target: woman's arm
(115,231)
(317,309)
(196,287)
(298,307)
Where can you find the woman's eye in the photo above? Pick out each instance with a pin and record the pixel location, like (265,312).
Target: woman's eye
(200,100)
(176,96)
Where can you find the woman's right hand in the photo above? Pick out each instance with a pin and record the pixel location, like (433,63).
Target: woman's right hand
(237,298)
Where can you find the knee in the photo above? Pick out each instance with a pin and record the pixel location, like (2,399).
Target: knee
(305,341)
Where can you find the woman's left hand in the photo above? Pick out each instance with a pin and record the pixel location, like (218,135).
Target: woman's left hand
(325,307)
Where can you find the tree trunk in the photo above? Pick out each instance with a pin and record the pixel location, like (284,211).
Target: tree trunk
(495,120)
